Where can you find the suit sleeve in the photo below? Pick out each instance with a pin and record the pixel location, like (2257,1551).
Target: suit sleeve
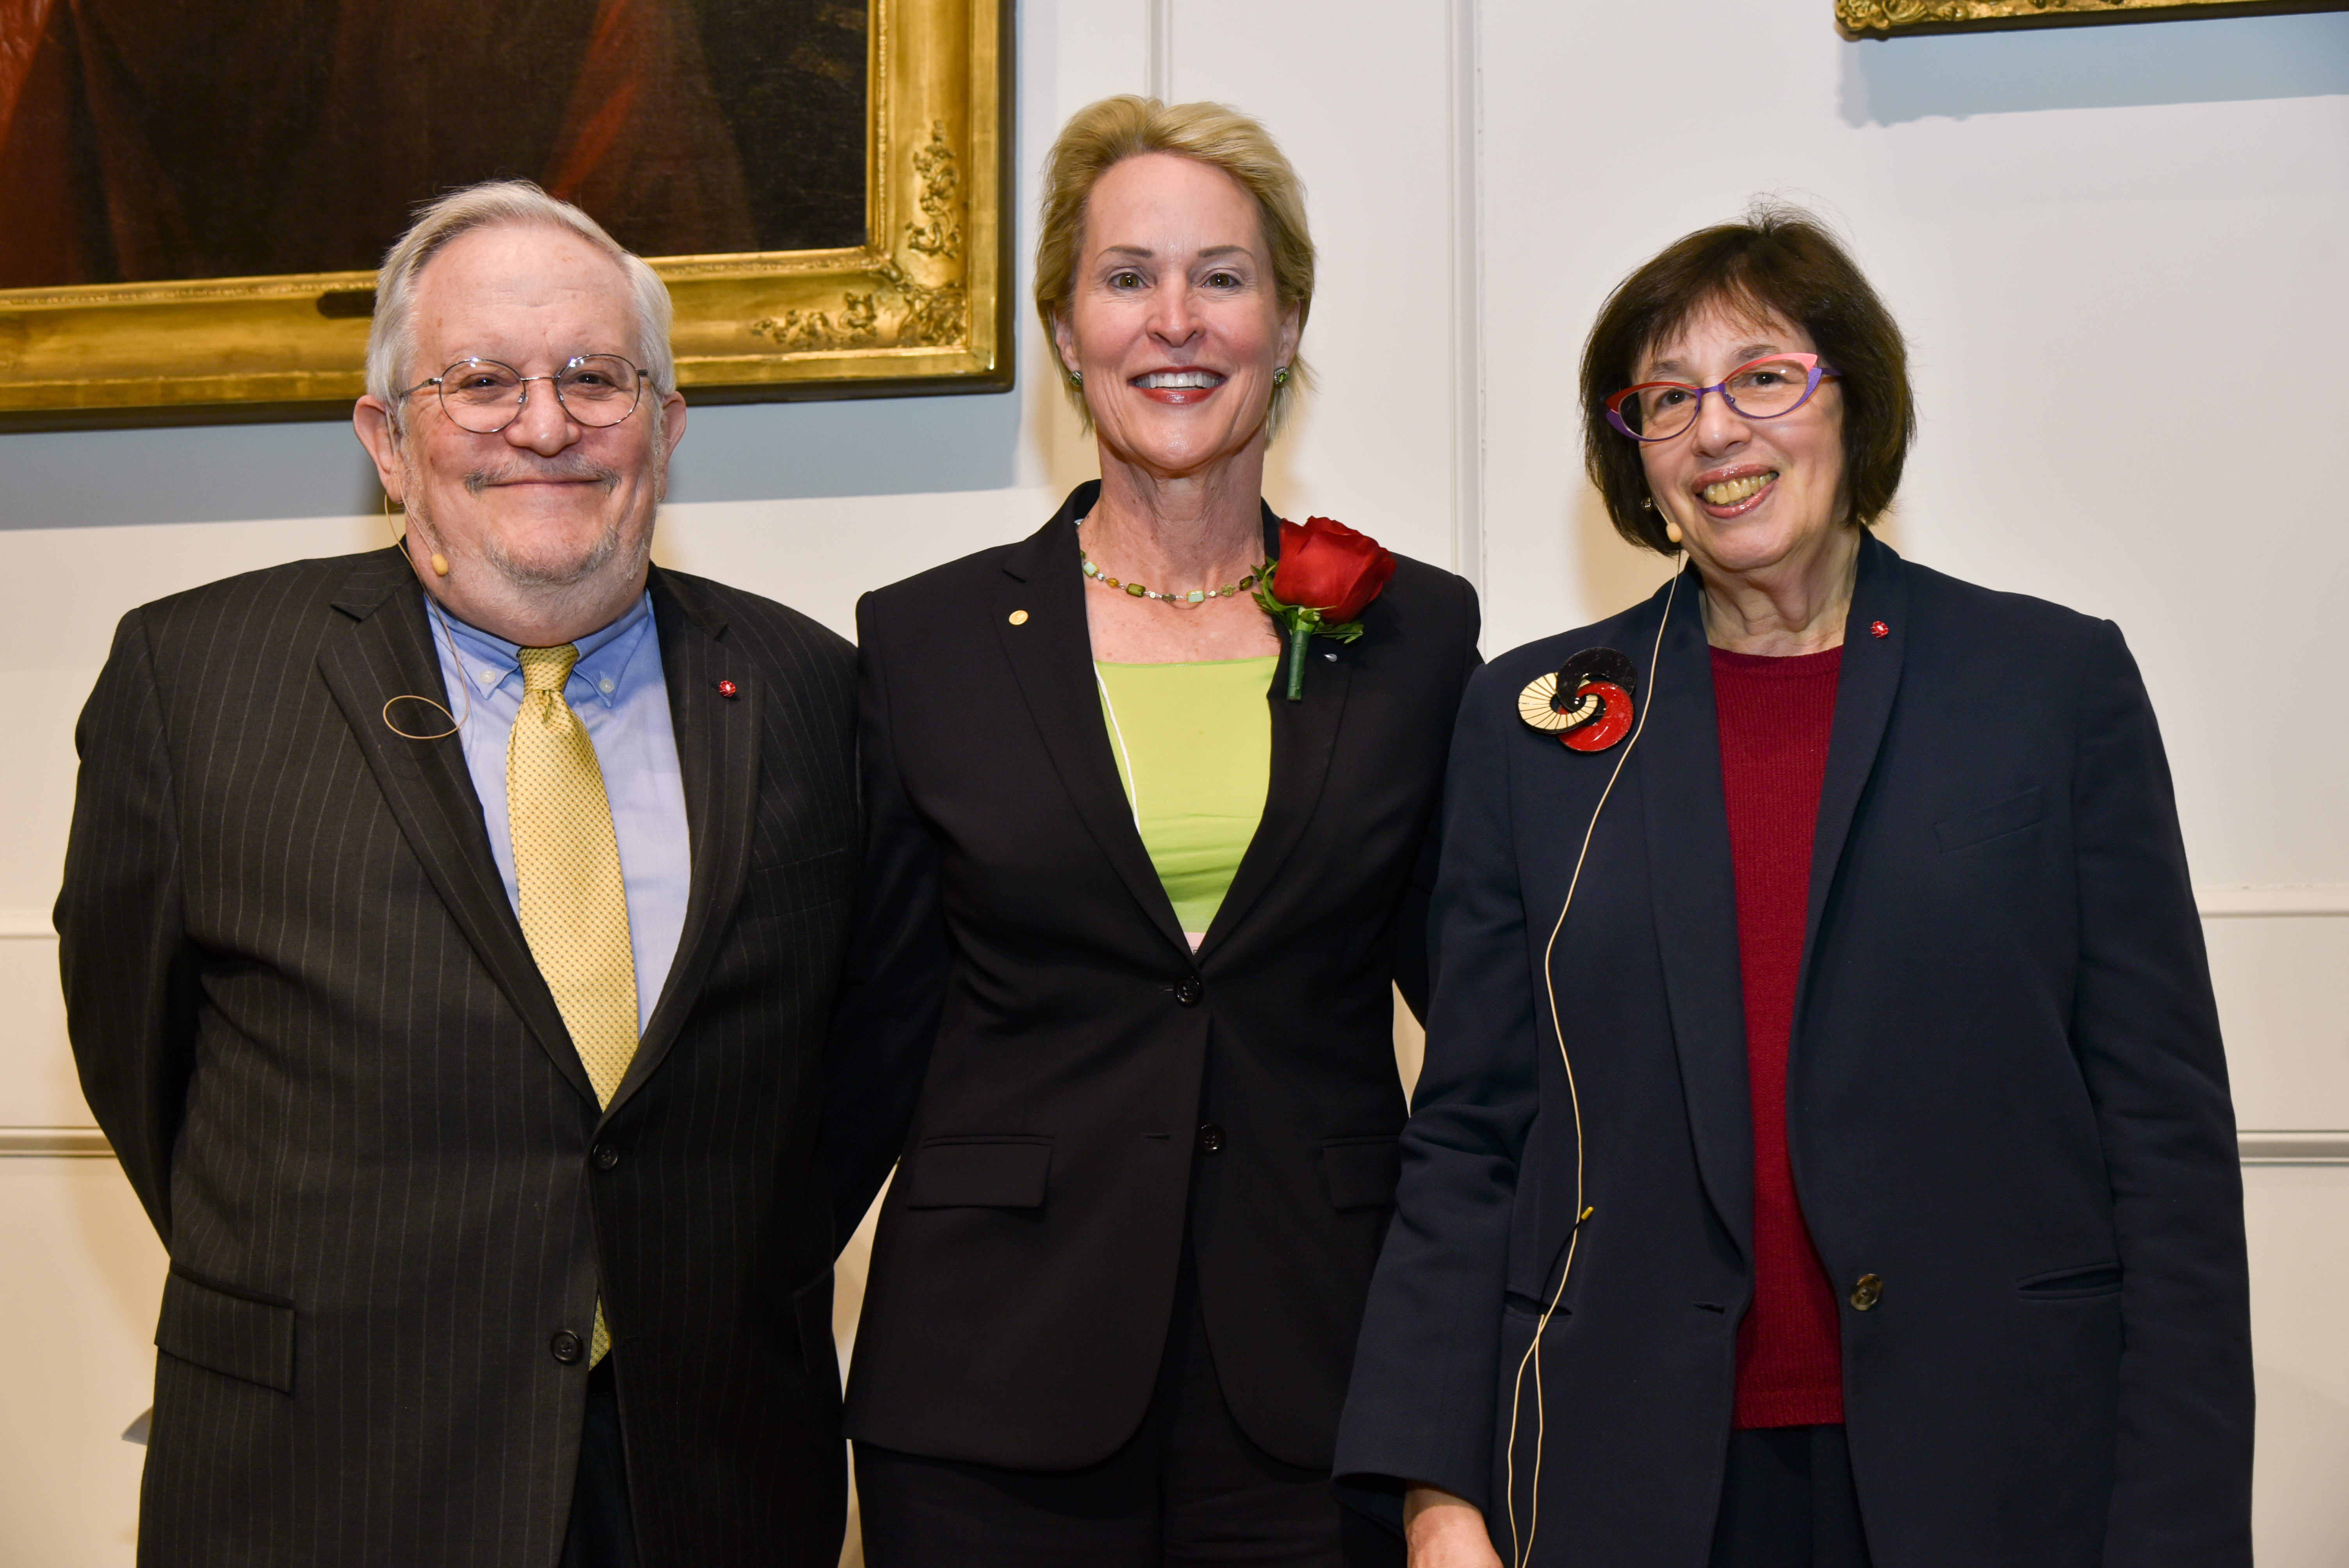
(2146,1027)
(1412,966)
(127,966)
(893,989)
(1421,1405)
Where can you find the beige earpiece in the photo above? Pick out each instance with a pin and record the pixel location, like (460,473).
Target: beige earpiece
(439,561)
(1671,529)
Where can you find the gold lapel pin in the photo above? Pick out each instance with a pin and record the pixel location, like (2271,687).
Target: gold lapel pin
(1019,617)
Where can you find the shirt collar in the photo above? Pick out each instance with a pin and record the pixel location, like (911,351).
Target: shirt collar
(602,673)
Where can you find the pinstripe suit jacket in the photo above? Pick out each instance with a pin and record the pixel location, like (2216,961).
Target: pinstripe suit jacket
(306,1016)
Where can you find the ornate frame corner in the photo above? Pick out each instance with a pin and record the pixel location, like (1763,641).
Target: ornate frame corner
(1902,19)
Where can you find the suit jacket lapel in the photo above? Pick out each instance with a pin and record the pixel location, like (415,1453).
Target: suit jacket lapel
(1869,679)
(384,651)
(1694,886)
(718,756)
(1051,656)
(1304,739)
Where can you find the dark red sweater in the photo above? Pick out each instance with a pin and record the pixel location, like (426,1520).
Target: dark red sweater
(1775,717)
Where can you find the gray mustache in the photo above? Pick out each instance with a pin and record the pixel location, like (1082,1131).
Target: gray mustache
(481,479)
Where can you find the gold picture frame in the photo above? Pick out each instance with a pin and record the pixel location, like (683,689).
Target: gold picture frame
(923,306)
(1900,18)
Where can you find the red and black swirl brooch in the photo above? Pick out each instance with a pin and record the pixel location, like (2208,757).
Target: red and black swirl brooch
(1586,704)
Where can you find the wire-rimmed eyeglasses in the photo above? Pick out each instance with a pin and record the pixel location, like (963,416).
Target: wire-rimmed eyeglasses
(1762,388)
(485,395)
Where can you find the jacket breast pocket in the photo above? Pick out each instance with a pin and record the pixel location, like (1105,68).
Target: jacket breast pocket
(1363,1171)
(979,1172)
(800,886)
(2010,815)
(2072,1283)
(241,1337)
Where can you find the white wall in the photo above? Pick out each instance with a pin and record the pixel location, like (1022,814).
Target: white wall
(2118,251)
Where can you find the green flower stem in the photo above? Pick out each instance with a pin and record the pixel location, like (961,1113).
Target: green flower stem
(1299,634)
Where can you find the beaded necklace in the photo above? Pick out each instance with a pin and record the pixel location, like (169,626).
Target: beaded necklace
(1195,597)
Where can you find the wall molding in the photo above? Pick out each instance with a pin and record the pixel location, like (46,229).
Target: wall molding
(1158,68)
(2262,1146)
(2276,902)
(2282,901)
(56,1143)
(2293,1148)
(1465,102)
(2258,1148)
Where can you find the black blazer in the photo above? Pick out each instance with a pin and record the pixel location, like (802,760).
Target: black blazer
(2006,1100)
(1019,969)
(307,1018)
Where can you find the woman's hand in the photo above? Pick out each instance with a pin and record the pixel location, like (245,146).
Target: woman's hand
(1445,1532)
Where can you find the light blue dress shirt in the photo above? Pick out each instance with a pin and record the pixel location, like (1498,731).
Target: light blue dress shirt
(618,692)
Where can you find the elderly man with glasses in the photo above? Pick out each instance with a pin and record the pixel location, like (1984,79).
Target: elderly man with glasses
(449,935)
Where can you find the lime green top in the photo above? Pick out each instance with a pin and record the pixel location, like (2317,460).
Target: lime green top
(1193,747)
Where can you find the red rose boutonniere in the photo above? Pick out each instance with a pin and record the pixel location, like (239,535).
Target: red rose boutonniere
(1327,576)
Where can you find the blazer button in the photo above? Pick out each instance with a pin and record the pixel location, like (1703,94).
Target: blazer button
(604,1156)
(1211,1138)
(1189,992)
(1866,1292)
(567,1346)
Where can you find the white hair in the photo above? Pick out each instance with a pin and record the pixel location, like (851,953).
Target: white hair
(391,335)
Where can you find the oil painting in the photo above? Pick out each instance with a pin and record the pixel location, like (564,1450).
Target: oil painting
(197,195)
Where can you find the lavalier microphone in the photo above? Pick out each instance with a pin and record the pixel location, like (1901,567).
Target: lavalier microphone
(1591,697)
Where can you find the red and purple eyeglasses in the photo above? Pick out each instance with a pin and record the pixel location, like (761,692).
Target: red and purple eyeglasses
(1764,388)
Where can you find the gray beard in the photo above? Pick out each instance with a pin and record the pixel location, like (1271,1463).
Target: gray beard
(531,574)
(600,555)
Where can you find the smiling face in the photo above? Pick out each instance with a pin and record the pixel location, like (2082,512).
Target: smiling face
(545,503)
(1175,321)
(1748,494)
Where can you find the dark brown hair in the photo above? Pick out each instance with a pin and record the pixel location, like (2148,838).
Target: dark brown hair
(1779,262)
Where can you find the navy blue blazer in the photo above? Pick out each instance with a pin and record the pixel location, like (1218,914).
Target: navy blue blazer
(2006,1100)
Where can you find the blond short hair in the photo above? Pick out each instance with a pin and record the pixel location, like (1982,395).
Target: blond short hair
(1103,135)
(391,335)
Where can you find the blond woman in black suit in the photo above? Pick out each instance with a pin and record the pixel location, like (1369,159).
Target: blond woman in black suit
(1131,924)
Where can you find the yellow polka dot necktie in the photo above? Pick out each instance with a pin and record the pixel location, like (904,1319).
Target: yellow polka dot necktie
(574,906)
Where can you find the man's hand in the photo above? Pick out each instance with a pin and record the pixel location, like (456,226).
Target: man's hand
(1445,1532)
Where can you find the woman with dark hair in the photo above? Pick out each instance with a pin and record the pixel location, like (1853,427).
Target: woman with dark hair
(1823,1153)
